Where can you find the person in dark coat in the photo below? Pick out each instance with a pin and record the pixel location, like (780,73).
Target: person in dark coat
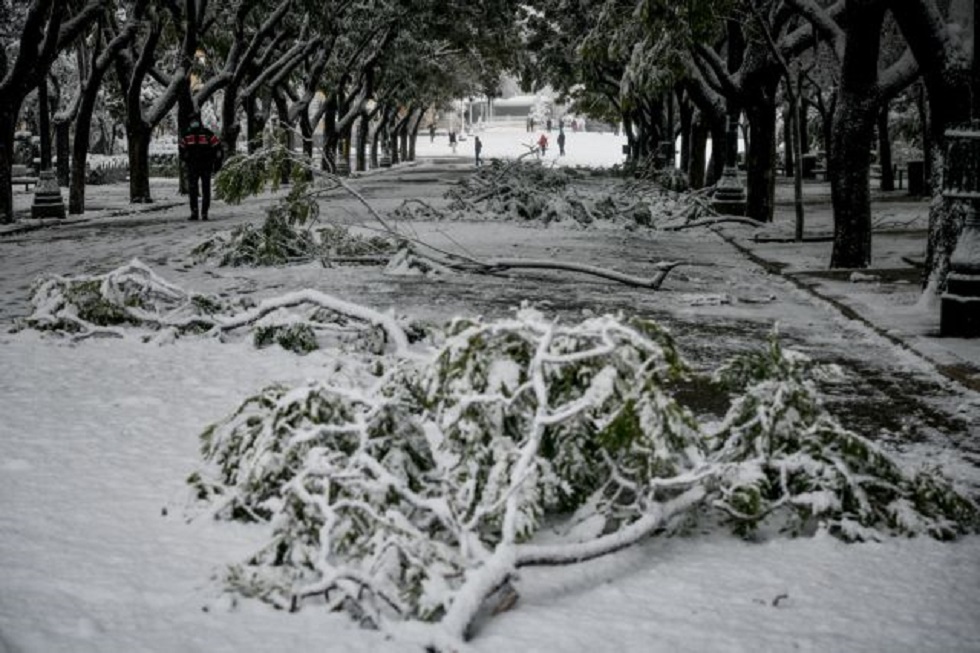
(561,142)
(478,147)
(200,150)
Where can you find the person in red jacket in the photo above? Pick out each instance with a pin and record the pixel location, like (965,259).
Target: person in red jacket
(543,144)
(200,150)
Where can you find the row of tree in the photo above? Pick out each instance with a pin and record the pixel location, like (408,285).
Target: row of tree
(664,67)
(340,64)
(660,67)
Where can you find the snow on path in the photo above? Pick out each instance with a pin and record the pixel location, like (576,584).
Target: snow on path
(95,444)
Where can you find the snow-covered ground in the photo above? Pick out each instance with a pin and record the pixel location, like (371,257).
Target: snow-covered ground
(581,148)
(97,437)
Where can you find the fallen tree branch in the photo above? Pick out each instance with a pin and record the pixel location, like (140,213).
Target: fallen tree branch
(778,239)
(529,555)
(482,582)
(713,221)
(396,334)
(497,266)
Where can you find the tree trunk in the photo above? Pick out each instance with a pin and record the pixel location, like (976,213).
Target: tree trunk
(699,142)
(363,134)
(256,118)
(376,140)
(947,75)
(719,140)
(284,135)
(760,159)
(138,136)
(853,132)
(62,141)
(796,140)
(329,160)
(885,151)
(804,118)
(414,132)
(788,159)
(306,129)
(925,119)
(8,116)
(686,111)
(83,129)
(230,128)
(403,142)
(44,123)
(76,191)
(393,146)
(631,146)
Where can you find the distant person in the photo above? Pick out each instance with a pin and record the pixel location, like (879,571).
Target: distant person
(200,150)
(452,141)
(543,144)
(477,148)
(548,123)
(432,133)
(561,141)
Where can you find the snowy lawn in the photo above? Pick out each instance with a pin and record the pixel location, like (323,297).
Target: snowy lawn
(98,437)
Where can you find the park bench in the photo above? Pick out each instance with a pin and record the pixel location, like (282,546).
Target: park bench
(20,174)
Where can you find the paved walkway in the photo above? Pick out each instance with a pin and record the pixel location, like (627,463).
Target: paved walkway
(902,379)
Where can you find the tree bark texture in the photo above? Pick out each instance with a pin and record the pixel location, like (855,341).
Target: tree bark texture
(363,135)
(83,127)
(138,136)
(853,131)
(789,160)
(8,115)
(44,122)
(947,75)
(760,159)
(697,163)
(62,146)
(885,151)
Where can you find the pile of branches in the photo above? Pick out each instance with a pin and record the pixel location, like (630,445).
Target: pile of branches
(133,298)
(530,191)
(282,241)
(420,497)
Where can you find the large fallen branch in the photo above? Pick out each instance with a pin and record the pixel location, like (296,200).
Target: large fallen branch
(394,332)
(133,296)
(499,265)
(710,222)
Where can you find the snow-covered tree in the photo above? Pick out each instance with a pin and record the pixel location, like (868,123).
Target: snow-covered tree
(34,33)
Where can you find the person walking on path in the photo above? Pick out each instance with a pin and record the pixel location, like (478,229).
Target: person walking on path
(478,147)
(432,132)
(543,144)
(452,141)
(561,142)
(200,150)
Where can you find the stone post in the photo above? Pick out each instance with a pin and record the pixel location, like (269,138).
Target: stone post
(47,197)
